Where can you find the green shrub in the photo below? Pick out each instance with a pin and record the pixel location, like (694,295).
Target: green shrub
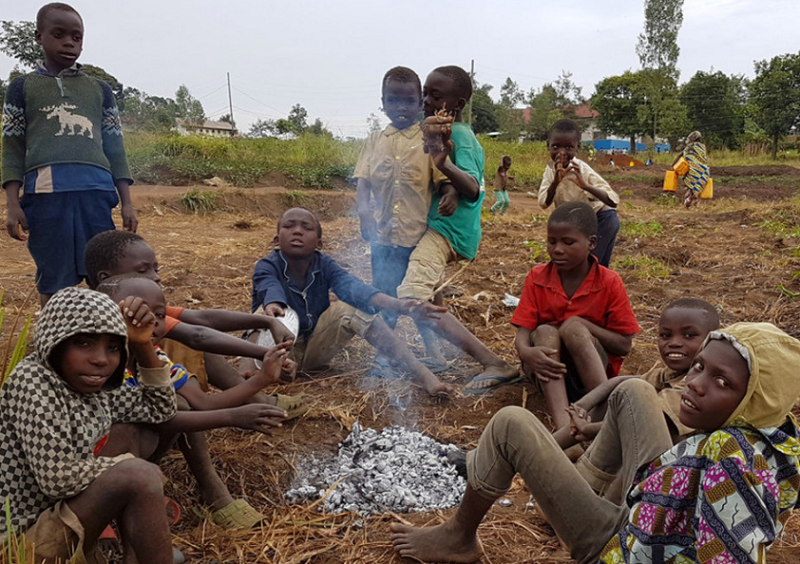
(644,267)
(201,201)
(636,229)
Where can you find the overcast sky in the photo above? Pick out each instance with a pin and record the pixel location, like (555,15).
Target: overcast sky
(330,56)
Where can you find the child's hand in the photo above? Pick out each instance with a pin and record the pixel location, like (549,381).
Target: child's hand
(139,320)
(574,171)
(561,163)
(288,370)
(545,364)
(16,223)
(422,310)
(580,424)
(129,221)
(280,332)
(448,200)
(273,310)
(439,157)
(270,371)
(257,417)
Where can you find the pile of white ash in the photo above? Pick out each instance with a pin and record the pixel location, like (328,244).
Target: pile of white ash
(395,470)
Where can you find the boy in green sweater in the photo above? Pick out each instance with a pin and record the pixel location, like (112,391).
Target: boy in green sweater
(62,144)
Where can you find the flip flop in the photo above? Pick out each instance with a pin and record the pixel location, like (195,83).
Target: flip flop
(501,382)
(294,406)
(237,515)
(436,366)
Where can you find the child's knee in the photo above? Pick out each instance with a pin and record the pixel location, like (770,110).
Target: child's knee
(572,332)
(634,391)
(546,336)
(136,476)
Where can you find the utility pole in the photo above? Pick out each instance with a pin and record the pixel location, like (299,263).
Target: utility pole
(230,100)
(472,79)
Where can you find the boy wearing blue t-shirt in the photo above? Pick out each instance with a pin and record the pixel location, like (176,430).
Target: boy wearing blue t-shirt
(454,225)
(62,143)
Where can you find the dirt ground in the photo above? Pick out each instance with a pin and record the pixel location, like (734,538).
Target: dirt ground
(716,252)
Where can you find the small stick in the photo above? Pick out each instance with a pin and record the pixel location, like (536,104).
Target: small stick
(450,280)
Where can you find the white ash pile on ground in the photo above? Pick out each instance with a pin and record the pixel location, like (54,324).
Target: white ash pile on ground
(395,470)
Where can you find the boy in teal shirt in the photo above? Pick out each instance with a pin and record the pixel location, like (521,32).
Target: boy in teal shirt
(454,225)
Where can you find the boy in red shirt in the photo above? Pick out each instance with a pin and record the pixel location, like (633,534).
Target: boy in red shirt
(574,321)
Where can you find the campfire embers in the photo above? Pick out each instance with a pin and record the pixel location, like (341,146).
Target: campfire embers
(397,470)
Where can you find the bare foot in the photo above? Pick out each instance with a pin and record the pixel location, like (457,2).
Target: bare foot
(442,543)
(436,387)
(492,376)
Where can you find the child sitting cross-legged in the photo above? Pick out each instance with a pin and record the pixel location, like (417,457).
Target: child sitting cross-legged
(682,328)
(721,495)
(200,411)
(56,406)
(190,333)
(297,277)
(574,320)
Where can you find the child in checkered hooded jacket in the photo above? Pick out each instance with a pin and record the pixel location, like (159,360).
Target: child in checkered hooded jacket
(61,479)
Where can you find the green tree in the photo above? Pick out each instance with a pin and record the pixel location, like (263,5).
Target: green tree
(152,113)
(657,46)
(187,107)
(18,41)
(318,128)
(555,100)
(3,86)
(715,106)
(510,118)
(297,117)
(660,112)
(262,128)
(545,110)
(775,96)
(484,118)
(617,99)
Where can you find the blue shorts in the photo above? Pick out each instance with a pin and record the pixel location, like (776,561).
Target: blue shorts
(59,226)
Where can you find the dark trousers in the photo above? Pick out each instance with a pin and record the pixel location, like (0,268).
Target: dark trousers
(389,265)
(607,229)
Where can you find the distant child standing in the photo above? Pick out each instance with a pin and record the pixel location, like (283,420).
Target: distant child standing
(62,144)
(501,180)
(398,176)
(568,179)
(574,320)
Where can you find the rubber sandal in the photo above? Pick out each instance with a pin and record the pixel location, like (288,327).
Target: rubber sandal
(176,510)
(294,406)
(436,366)
(237,515)
(501,382)
(108,541)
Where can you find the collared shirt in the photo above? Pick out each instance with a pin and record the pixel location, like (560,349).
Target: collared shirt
(272,284)
(601,299)
(568,191)
(400,176)
(670,385)
(722,497)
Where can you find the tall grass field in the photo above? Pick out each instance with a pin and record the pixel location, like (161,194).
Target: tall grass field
(319,161)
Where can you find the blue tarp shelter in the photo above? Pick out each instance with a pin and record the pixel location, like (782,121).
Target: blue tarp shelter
(619,145)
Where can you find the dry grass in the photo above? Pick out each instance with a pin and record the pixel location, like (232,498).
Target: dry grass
(716,252)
